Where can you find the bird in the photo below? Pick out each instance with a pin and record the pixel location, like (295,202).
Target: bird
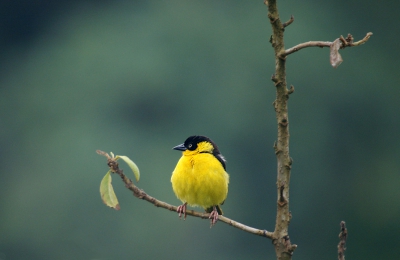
(200,177)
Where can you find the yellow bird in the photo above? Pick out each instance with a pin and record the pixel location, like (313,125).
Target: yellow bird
(199,178)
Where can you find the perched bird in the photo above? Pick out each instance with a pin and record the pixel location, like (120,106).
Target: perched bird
(199,178)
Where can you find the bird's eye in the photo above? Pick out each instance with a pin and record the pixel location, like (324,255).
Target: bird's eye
(190,145)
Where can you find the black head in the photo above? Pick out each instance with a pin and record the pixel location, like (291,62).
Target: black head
(192,142)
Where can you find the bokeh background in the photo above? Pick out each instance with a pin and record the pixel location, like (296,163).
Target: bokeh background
(138,77)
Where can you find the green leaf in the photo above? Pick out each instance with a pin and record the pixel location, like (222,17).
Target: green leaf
(131,164)
(107,192)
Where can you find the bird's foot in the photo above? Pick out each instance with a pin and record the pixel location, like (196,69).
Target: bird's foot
(182,210)
(213,216)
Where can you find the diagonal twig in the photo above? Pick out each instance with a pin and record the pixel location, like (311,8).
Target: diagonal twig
(141,194)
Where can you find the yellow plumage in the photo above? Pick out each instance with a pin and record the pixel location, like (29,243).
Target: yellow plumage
(199,178)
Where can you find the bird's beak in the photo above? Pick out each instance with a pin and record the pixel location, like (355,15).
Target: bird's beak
(180,147)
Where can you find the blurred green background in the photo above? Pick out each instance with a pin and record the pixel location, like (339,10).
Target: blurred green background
(138,77)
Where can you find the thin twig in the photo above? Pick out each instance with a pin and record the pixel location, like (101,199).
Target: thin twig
(321,44)
(364,40)
(141,194)
(305,45)
(289,22)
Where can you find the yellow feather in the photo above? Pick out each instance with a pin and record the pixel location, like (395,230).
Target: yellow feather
(199,179)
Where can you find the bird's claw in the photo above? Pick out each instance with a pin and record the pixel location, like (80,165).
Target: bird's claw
(213,217)
(182,210)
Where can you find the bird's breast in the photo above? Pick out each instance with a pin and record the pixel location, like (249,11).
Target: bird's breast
(200,180)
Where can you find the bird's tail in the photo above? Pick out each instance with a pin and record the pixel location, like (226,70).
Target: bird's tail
(218,207)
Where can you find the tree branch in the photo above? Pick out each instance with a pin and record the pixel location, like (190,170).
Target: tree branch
(342,242)
(348,42)
(141,194)
(283,248)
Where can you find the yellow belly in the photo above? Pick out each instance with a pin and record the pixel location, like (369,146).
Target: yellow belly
(200,180)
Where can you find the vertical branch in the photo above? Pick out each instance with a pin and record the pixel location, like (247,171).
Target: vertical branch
(281,241)
(342,241)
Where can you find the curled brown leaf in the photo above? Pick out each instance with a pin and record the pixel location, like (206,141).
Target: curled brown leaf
(335,57)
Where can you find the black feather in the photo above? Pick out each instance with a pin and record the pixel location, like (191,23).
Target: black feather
(192,141)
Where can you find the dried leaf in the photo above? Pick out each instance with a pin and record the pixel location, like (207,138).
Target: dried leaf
(107,192)
(132,165)
(335,57)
